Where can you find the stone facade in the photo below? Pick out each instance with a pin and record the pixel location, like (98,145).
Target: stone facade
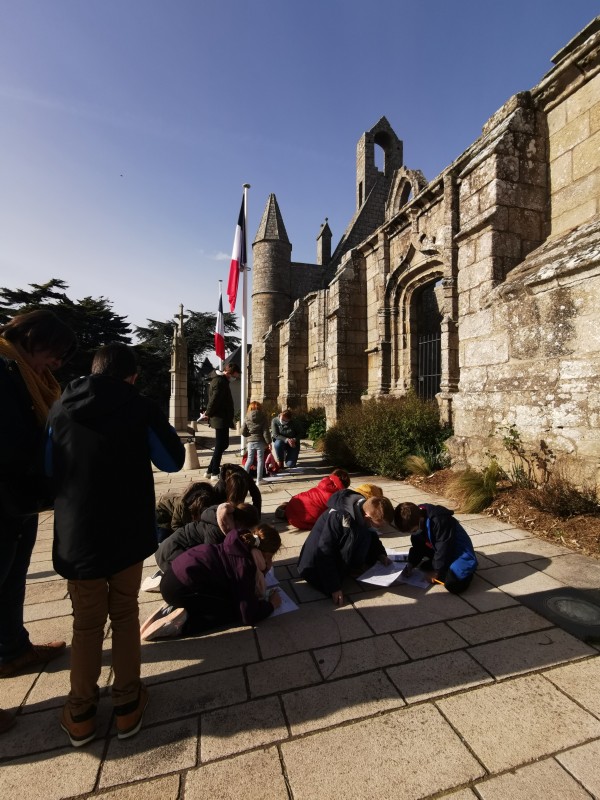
(479,288)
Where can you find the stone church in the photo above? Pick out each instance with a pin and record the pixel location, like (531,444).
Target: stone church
(479,289)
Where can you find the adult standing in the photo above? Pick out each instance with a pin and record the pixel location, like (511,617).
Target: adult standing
(103,438)
(31,346)
(285,434)
(219,412)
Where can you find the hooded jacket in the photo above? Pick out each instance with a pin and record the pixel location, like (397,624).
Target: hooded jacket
(256,427)
(340,540)
(444,541)
(220,487)
(304,509)
(226,573)
(103,438)
(202,531)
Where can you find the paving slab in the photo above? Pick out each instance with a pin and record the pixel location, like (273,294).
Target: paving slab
(582,762)
(498,624)
(511,723)
(282,674)
(374,754)
(523,550)
(243,727)
(157,789)
(572,569)
(438,675)
(53,776)
(409,607)
(350,658)
(333,703)
(545,779)
(491,537)
(518,580)
(314,625)
(45,591)
(47,610)
(429,640)
(529,652)
(256,774)
(484,596)
(581,681)
(163,749)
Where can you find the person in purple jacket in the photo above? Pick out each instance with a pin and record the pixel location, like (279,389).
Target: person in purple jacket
(211,585)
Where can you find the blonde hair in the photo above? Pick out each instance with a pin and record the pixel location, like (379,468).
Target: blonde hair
(254,406)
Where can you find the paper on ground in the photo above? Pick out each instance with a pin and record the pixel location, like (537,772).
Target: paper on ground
(287,604)
(381,575)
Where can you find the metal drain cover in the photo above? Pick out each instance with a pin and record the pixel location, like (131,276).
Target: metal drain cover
(575,609)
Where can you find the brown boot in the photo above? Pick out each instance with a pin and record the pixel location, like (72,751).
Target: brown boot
(80,728)
(130,721)
(36,654)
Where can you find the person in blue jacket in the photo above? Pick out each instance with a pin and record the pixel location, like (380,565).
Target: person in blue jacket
(344,539)
(104,436)
(439,544)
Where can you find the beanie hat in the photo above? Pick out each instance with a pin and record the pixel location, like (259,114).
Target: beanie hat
(369,490)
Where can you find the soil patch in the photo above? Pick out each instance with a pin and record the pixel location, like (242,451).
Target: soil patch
(581,533)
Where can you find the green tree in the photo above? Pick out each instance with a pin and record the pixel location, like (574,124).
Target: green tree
(154,352)
(92,319)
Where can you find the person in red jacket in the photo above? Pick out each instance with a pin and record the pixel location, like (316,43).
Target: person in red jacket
(304,509)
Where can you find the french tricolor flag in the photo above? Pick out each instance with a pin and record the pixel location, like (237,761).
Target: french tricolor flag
(220,331)
(238,258)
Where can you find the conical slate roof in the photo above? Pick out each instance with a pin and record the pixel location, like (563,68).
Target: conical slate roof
(271,225)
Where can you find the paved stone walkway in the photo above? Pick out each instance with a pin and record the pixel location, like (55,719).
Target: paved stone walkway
(402,693)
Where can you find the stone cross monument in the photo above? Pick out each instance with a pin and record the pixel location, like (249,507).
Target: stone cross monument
(178,404)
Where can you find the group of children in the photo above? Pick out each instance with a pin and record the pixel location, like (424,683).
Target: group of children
(212,567)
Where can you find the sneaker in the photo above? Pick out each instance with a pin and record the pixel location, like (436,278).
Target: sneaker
(152,582)
(80,728)
(214,477)
(207,475)
(36,654)
(166,623)
(129,720)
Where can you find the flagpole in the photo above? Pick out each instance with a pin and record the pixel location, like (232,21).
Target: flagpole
(220,300)
(244,359)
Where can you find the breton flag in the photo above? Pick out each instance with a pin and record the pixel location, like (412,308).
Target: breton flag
(220,330)
(238,258)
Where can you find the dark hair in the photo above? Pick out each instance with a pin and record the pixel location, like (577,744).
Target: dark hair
(245,515)
(197,497)
(116,360)
(407,517)
(269,540)
(343,476)
(41,330)
(232,367)
(236,487)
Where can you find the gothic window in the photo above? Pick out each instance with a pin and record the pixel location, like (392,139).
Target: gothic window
(427,340)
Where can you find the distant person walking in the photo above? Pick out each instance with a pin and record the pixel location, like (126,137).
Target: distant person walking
(219,412)
(103,438)
(31,346)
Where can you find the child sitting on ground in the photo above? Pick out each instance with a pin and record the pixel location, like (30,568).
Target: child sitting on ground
(212,527)
(224,489)
(304,509)
(217,584)
(173,511)
(344,539)
(439,545)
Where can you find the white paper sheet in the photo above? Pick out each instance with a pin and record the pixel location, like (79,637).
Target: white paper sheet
(287,604)
(381,575)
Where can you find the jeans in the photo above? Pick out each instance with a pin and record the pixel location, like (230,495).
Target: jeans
(257,448)
(221,444)
(17,538)
(94,601)
(285,453)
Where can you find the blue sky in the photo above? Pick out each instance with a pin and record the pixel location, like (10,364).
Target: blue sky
(127,127)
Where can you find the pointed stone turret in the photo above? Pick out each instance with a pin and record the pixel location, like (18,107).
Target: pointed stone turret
(271,295)
(324,244)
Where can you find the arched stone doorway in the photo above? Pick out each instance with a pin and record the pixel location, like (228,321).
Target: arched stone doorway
(427,340)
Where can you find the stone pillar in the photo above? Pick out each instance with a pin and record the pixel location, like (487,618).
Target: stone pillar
(178,403)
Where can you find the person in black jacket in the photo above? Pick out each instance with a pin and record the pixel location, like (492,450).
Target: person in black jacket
(234,485)
(104,435)
(344,539)
(32,345)
(214,523)
(219,413)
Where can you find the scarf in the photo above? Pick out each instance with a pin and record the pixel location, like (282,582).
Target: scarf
(44,389)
